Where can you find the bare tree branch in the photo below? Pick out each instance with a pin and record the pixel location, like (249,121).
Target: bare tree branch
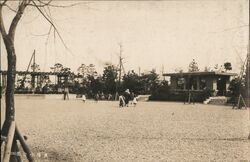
(2,27)
(40,35)
(53,25)
(10,8)
(43,4)
(49,15)
(3,3)
(49,1)
(47,40)
(17,18)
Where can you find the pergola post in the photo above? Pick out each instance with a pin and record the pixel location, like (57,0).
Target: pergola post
(198,83)
(185,82)
(33,81)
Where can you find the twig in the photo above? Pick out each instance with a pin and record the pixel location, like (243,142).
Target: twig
(10,8)
(53,25)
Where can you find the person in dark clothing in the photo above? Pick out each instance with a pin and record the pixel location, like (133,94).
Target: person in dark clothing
(64,93)
(127,97)
(96,97)
(189,97)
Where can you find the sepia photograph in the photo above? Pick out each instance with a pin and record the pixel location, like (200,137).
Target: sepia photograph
(124,80)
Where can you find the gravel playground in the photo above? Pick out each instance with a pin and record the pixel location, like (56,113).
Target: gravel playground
(73,131)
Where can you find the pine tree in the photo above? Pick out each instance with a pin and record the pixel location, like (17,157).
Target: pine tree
(193,66)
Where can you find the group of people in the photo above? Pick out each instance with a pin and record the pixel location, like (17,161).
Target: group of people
(123,98)
(126,97)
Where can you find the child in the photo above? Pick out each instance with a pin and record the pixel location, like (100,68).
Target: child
(135,100)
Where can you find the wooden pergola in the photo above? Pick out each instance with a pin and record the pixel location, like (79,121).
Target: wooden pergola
(62,77)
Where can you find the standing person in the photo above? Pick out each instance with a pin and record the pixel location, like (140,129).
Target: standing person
(83,98)
(96,97)
(189,97)
(127,97)
(109,97)
(102,96)
(66,91)
(132,96)
(135,100)
(121,101)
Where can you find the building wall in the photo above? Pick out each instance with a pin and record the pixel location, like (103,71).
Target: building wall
(211,83)
(227,83)
(173,82)
(214,81)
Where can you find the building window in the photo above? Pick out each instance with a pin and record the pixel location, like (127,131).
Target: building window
(191,83)
(202,83)
(180,83)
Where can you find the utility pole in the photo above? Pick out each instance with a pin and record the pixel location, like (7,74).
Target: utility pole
(248,77)
(162,72)
(243,71)
(120,65)
(1,71)
(248,82)
(34,61)
(247,74)
(120,68)
(34,69)
(248,68)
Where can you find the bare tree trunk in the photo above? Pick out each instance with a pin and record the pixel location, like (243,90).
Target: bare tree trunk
(8,39)
(9,95)
(10,82)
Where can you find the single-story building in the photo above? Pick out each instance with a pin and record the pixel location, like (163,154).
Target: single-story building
(199,81)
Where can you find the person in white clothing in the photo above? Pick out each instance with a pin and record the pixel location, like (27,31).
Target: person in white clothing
(83,98)
(135,100)
(121,101)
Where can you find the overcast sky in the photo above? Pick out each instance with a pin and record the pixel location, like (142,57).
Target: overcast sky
(157,34)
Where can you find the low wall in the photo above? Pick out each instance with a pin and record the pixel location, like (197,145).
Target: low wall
(43,96)
(179,95)
(143,97)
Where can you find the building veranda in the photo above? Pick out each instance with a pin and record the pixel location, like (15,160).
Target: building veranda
(212,83)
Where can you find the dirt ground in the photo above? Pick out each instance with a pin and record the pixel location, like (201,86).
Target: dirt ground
(71,131)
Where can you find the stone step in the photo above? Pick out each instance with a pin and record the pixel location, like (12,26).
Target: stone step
(143,97)
(220,100)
